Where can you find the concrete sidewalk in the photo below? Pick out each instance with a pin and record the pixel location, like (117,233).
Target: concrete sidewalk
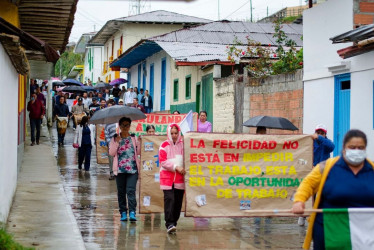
(41,216)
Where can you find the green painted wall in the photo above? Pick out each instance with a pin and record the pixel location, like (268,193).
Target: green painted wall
(183,108)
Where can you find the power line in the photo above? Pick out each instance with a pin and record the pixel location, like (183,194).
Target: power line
(238,8)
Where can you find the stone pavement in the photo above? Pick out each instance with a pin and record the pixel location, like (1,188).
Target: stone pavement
(41,216)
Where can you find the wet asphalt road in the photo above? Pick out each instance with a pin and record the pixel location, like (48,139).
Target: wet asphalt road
(93,199)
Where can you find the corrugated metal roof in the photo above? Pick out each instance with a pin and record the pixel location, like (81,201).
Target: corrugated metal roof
(359,34)
(157,17)
(225,32)
(162,16)
(206,42)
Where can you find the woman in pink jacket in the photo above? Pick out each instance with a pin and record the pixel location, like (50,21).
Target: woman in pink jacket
(125,150)
(172,176)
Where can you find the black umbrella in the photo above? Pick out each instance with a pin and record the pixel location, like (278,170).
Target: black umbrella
(58,83)
(102,85)
(72,82)
(270,122)
(74,89)
(89,89)
(114,113)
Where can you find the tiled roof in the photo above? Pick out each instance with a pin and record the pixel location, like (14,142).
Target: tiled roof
(362,33)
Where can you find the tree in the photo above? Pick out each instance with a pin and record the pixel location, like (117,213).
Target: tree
(67,61)
(262,60)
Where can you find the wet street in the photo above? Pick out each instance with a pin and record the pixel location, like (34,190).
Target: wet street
(94,202)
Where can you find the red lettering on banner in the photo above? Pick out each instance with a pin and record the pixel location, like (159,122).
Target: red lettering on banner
(216,143)
(150,118)
(171,119)
(230,144)
(224,144)
(178,119)
(193,158)
(139,127)
(164,120)
(200,145)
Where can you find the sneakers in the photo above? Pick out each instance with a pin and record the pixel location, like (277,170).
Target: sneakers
(37,142)
(132,216)
(171,229)
(32,144)
(124,216)
(301,221)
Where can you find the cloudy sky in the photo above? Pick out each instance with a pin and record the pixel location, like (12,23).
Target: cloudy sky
(92,14)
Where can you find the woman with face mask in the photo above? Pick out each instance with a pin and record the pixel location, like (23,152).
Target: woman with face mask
(345,181)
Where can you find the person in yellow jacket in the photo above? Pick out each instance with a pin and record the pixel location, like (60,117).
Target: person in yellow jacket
(340,182)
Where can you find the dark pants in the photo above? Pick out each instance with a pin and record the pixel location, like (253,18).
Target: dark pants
(35,124)
(126,185)
(172,205)
(61,137)
(84,153)
(148,110)
(116,99)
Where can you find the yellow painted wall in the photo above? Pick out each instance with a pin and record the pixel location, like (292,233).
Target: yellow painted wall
(9,12)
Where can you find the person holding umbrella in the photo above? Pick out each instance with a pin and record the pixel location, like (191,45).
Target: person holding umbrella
(125,149)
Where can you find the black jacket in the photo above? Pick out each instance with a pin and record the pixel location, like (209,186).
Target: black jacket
(150,102)
(61,110)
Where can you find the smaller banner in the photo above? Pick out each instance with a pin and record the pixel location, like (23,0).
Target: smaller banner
(101,145)
(160,121)
(151,197)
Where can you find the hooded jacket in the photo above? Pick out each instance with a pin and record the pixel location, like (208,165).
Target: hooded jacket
(170,156)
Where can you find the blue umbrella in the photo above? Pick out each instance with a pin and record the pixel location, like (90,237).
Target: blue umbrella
(89,89)
(72,82)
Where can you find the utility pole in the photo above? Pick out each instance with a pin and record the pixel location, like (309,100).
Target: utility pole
(250,2)
(267,11)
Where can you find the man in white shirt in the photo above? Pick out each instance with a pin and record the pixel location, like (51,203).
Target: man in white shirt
(86,101)
(129,97)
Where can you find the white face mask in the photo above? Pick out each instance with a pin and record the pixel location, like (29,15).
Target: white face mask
(355,156)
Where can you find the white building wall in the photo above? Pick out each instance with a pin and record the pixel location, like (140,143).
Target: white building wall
(322,22)
(8,135)
(156,60)
(133,33)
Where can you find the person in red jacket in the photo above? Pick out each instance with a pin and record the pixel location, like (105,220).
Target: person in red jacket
(36,114)
(172,176)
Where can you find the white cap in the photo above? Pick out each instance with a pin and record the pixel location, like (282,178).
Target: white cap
(321,127)
(111,97)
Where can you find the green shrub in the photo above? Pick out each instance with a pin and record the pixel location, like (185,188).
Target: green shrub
(7,242)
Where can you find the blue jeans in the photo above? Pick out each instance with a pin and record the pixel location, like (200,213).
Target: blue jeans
(148,110)
(84,153)
(35,124)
